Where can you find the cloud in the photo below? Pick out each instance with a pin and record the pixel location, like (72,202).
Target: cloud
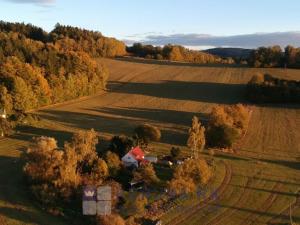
(36,2)
(245,41)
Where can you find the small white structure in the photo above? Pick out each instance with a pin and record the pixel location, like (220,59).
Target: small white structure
(151,159)
(129,160)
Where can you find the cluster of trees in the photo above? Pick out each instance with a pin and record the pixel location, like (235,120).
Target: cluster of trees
(56,175)
(188,176)
(275,57)
(91,42)
(69,38)
(175,53)
(37,68)
(142,136)
(226,125)
(264,88)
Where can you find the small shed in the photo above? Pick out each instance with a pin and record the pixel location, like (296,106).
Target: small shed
(152,159)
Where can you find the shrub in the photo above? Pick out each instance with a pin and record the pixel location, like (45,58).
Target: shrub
(222,136)
(175,152)
(146,133)
(147,174)
(121,145)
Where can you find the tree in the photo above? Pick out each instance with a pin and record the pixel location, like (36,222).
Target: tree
(189,175)
(222,136)
(146,133)
(226,124)
(121,145)
(196,139)
(113,219)
(84,144)
(175,152)
(140,202)
(6,101)
(147,174)
(113,163)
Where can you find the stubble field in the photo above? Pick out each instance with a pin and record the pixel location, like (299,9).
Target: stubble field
(262,180)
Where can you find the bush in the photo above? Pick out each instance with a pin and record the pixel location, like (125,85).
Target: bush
(121,145)
(147,174)
(175,152)
(222,136)
(146,133)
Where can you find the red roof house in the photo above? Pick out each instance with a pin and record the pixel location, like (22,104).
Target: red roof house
(133,157)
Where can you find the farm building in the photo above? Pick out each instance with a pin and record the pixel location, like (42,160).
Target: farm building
(151,159)
(134,157)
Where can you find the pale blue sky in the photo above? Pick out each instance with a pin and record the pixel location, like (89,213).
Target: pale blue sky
(126,18)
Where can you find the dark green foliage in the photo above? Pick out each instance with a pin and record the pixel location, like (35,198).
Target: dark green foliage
(28,30)
(121,145)
(222,136)
(268,89)
(175,152)
(146,133)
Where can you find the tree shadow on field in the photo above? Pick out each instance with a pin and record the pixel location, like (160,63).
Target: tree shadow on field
(219,93)
(173,63)
(27,133)
(15,194)
(256,212)
(116,121)
(291,194)
(153,115)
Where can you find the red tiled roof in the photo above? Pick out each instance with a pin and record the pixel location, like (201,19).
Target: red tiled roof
(137,153)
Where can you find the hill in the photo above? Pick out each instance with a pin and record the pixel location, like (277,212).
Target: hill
(236,53)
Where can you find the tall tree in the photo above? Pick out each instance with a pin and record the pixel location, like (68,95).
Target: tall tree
(196,139)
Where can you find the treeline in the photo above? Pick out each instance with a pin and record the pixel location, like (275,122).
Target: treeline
(37,68)
(93,43)
(275,57)
(264,88)
(34,74)
(175,53)
(70,38)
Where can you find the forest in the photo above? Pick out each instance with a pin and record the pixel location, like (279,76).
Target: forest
(39,68)
(175,53)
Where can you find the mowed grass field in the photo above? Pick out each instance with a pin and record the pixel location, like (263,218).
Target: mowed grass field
(263,180)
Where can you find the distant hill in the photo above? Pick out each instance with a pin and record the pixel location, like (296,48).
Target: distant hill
(230,52)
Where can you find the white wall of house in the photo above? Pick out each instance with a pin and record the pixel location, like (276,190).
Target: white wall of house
(129,160)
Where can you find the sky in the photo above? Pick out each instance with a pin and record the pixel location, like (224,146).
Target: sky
(187,22)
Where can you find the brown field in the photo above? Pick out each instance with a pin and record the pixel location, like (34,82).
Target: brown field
(264,177)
